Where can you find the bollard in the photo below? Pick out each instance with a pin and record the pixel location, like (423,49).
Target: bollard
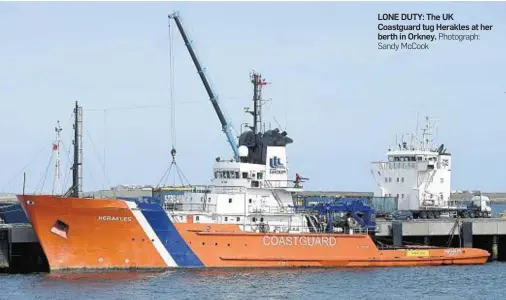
(467,234)
(495,248)
(397,233)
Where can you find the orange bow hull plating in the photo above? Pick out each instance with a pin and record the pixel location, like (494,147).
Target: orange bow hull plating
(113,234)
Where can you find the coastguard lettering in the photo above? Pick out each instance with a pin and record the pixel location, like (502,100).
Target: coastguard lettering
(113,218)
(305,241)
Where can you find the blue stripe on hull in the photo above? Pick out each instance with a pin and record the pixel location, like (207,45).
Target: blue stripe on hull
(169,236)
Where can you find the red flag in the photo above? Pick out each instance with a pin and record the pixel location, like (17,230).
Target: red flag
(55,147)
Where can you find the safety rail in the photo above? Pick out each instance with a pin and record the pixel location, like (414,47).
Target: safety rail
(383,165)
(270,209)
(286,228)
(280,184)
(190,207)
(229,189)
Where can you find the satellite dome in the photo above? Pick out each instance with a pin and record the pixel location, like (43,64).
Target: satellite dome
(243,151)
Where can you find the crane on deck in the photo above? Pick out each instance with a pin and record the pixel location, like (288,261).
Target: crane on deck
(227,128)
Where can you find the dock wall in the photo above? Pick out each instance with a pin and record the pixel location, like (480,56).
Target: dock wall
(20,250)
(487,234)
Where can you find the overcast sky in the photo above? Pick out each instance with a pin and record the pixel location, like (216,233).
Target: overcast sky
(340,98)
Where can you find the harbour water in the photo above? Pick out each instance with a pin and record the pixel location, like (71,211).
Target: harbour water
(451,282)
(446,282)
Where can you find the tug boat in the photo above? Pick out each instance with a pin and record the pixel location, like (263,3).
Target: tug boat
(247,217)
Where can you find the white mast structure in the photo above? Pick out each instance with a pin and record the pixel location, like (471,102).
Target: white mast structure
(56,147)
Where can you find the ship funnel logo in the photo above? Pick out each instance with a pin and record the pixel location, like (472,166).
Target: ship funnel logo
(275,163)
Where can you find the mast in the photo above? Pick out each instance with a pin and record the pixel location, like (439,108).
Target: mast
(258,82)
(76,188)
(56,147)
(426,133)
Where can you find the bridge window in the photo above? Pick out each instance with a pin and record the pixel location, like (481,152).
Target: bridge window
(196,218)
(397,179)
(237,175)
(402,179)
(229,200)
(386,179)
(250,200)
(215,174)
(244,175)
(254,219)
(260,175)
(226,219)
(238,219)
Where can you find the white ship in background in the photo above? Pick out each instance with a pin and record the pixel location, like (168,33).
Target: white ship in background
(419,175)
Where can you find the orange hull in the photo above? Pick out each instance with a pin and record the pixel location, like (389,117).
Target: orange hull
(116,234)
(228,246)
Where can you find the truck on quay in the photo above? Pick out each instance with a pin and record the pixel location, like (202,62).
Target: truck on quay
(418,175)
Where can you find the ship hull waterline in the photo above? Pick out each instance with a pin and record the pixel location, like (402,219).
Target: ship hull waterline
(103,234)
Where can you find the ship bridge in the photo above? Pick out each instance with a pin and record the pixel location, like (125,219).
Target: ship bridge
(271,175)
(417,174)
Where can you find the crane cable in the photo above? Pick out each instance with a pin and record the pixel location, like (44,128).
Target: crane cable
(172,104)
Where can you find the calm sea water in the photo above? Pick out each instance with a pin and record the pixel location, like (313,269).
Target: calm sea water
(447,282)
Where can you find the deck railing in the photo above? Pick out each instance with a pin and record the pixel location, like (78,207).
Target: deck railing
(270,209)
(190,207)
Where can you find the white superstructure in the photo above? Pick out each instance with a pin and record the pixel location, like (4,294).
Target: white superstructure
(254,192)
(256,196)
(416,173)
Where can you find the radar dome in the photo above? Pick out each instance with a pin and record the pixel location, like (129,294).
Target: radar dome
(243,151)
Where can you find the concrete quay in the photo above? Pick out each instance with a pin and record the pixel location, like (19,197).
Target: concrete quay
(488,234)
(20,250)
(437,227)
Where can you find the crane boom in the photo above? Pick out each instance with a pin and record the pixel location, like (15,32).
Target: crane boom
(214,101)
